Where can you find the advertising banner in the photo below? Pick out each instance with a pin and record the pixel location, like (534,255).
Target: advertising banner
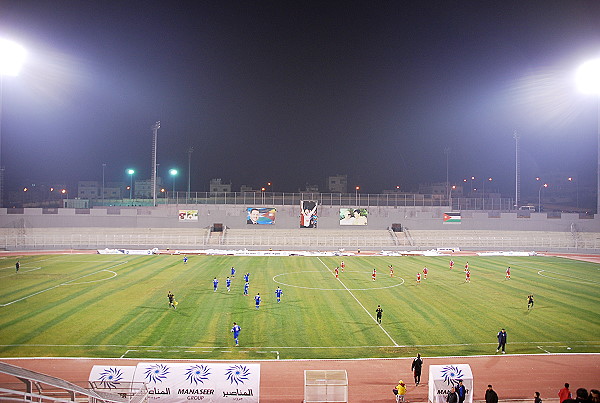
(188,215)
(179,382)
(444,377)
(261,215)
(308,214)
(353,216)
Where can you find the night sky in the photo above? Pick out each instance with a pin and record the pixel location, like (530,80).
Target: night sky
(291,92)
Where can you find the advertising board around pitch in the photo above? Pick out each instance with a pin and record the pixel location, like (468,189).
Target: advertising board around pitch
(178,382)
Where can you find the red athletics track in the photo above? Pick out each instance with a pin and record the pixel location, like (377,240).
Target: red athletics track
(372,380)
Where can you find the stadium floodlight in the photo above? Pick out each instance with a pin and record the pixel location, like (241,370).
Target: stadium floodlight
(587,77)
(130,172)
(12,57)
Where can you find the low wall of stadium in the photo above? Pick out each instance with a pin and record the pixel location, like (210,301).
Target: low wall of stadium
(288,217)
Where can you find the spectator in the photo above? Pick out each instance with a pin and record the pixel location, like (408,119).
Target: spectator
(490,395)
(537,399)
(594,396)
(452,396)
(462,392)
(564,393)
(581,395)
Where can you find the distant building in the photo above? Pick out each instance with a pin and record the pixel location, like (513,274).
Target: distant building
(337,183)
(311,188)
(143,188)
(92,190)
(216,186)
(437,190)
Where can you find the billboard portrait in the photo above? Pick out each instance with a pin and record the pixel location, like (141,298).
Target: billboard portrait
(308,214)
(260,215)
(353,216)
(188,215)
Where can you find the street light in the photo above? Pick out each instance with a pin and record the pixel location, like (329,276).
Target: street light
(450,195)
(12,57)
(483,194)
(103,167)
(130,172)
(545,185)
(588,82)
(173,173)
(356,189)
(570,179)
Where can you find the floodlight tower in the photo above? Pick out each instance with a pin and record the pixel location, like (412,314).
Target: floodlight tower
(154,128)
(588,81)
(517,170)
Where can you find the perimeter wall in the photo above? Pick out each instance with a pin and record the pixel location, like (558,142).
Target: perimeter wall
(288,217)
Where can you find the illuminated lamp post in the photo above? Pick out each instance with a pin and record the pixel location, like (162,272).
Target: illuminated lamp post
(130,172)
(570,179)
(173,173)
(588,82)
(356,189)
(483,193)
(12,57)
(545,185)
(450,196)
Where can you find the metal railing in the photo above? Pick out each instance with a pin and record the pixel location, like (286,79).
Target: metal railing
(323,199)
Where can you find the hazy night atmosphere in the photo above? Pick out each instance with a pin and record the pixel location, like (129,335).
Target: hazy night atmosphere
(291,92)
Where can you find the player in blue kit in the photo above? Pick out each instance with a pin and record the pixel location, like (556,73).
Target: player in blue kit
(185,259)
(257,300)
(215,284)
(232,271)
(236,332)
(278,293)
(228,284)
(247,277)
(246,286)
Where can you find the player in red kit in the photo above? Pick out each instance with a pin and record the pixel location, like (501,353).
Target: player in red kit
(467,276)
(343,266)
(374,274)
(391,271)
(337,272)
(418,278)
(508,273)
(451,264)
(425,271)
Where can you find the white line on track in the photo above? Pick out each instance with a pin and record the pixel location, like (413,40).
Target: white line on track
(56,286)
(359,303)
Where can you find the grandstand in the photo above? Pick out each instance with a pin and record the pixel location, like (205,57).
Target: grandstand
(286,239)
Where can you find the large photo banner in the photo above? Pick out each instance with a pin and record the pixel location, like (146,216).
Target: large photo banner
(180,382)
(353,216)
(308,214)
(260,215)
(188,215)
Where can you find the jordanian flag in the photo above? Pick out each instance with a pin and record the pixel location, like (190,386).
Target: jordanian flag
(452,218)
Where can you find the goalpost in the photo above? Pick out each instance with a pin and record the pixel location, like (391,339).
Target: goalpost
(325,386)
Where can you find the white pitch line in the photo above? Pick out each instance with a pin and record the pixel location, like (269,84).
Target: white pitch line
(359,303)
(56,286)
(546,351)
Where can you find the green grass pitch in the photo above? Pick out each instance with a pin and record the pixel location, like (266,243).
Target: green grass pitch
(116,306)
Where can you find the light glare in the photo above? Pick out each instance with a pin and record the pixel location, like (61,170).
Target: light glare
(588,77)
